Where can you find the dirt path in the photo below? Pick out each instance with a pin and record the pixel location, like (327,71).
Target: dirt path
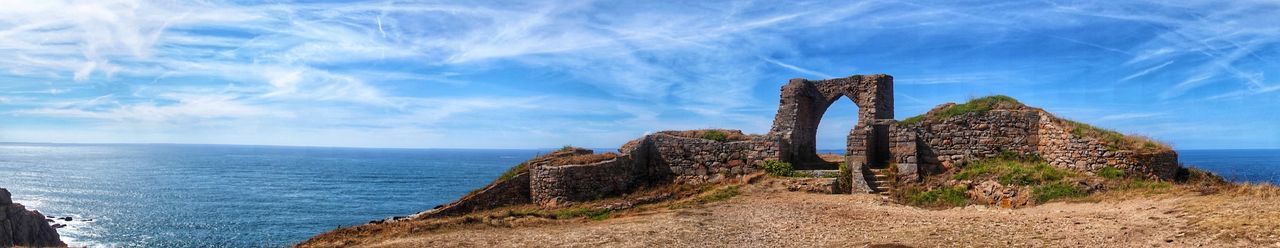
(765,216)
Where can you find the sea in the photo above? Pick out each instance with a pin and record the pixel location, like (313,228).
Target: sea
(165,195)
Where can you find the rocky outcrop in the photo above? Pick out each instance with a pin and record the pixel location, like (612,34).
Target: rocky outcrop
(22,227)
(991,192)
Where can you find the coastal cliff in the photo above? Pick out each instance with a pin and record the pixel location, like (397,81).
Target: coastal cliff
(22,227)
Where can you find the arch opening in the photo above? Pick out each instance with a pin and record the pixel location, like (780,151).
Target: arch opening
(835,125)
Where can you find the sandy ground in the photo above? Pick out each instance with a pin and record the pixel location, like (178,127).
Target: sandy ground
(766,216)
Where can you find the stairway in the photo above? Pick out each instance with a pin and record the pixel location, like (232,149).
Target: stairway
(879,181)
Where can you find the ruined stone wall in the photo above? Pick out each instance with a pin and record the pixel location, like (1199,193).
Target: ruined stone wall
(553,185)
(1062,149)
(652,159)
(949,142)
(904,147)
(694,160)
(945,144)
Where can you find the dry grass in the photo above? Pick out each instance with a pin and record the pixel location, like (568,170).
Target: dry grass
(582,159)
(1116,140)
(1230,214)
(640,202)
(1181,215)
(1246,213)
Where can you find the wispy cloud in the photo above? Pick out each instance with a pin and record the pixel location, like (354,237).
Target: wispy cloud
(430,69)
(1146,71)
(798,69)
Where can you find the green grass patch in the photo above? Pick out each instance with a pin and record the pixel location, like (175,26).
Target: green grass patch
(593,214)
(1012,172)
(941,197)
(911,120)
(975,105)
(1056,190)
(978,105)
(778,168)
(1111,173)
(715,135)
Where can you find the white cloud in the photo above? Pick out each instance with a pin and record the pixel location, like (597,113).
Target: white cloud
(186,109)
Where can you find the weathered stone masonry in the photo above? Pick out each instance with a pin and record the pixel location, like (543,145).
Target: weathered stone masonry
(945,144)
(876,141)
(653,159)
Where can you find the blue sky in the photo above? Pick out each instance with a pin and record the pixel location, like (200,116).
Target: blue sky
(529,74)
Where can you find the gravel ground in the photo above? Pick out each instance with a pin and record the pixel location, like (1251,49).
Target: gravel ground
(765,215)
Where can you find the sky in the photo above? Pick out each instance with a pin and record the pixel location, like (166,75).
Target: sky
(536,74)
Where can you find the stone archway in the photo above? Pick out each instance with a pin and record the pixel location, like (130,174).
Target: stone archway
(803,103)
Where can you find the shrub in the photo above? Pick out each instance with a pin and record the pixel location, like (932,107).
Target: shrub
(844,180)
(941,197)
(1056,190)
(778,168)
(1110,172)
(715,135)
(566,148)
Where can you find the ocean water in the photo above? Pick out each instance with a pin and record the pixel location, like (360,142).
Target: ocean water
(1257,166)
(258,196)
(234,196)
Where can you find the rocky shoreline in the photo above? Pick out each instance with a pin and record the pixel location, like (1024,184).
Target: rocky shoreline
(27,228)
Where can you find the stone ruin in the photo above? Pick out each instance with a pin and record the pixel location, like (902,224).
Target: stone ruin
(875,142)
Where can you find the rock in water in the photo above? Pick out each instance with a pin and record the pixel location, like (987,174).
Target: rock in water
(5,197)
(20,227)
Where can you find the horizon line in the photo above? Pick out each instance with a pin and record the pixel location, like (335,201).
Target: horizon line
(427,148)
